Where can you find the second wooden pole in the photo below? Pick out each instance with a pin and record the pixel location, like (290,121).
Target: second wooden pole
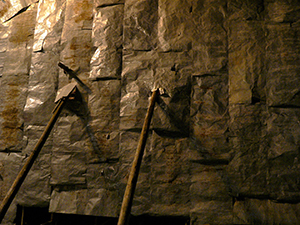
(136,164)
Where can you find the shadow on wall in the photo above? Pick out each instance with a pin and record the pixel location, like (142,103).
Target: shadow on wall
(41,216)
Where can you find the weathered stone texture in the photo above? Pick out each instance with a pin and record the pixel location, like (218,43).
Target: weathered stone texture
(209,36)
(170,180)
(43,77)
(282,11)
(137,83)
(14,80)
(249,163)
(140,25)
(173,77)
(9,167)
(91,202)
(241,10)
(246,62)
(209,117)
(283,153)
(255,211)
(282,54)
(223,146)
(173,24)
(35,190)
(103,119)
(107,39)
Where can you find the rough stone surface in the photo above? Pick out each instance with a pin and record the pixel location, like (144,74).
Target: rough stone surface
(107,37)
(140,25)
(14,80)
(223,146)
(9,167)
(281,84)
(255,211)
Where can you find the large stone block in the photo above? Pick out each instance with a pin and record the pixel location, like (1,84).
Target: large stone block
(9,169)
(256,211)
(173,37)
(244,170)
(10,9)
(107,38)
(35,190)
(246,62)
(282,11)
(70,147)
(43,76)
(220,212)
(78,15)
(140,24)
(284,140)
(42,85)
(4,32)
(103,146)
(32,135)
(68,168)
(283,131)
(137,83)
(106,63)
(15,79)
(77,53)
(49,23)
(19,46)
(69,130)
(104,105)
(173,76)
(94,202)
(209,36)
(170,180)
(248,140)
(76,40)
(245,10)
(247,123)
(12,122)
(209,117)
(103,175)
(208,183)
(282,55)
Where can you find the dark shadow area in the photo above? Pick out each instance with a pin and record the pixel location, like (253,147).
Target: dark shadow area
(177,120)
(41,216)
(159,220)
(68,219)
(32,215)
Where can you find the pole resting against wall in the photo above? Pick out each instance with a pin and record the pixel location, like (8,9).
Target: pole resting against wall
(63,95)
(136,164)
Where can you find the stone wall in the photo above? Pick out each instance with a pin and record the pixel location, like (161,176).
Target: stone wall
(225,136)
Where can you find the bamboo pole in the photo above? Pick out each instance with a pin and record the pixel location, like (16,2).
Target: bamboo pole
(136,164)
(27,166)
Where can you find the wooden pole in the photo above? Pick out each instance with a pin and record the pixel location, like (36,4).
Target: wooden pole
(136,164)
(27,166)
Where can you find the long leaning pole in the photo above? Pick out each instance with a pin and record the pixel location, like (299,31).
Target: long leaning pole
(27,166)
(136,164)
